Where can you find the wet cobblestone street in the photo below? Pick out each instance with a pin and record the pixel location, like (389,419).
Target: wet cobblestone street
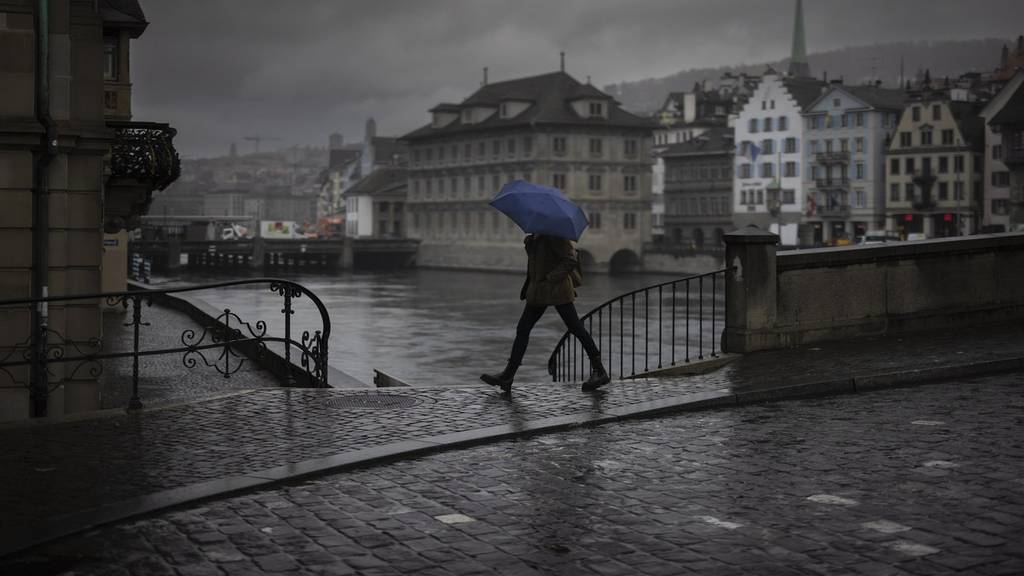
(927,480)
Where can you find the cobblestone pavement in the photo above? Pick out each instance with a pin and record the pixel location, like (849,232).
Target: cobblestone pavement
(51,471)
(926,480)
(165,380)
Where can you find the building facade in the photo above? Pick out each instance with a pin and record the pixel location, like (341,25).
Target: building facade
(768,186)
(550,129)
(999,203)
(682,117)
(698,191)
(1008,123)
(847,131)
(375,206)
(934,168)
(73,166)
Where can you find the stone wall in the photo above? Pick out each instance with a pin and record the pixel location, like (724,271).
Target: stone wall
(668,263)
(498,257)
(75,188)
(838,293)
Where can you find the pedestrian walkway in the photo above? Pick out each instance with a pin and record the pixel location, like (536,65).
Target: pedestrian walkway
(165,381)
(899,482)
(61,478)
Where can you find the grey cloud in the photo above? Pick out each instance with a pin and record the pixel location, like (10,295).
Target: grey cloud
(221,69)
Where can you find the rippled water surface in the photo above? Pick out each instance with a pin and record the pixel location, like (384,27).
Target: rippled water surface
(426,327)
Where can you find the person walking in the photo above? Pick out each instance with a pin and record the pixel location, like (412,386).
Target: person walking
(552,275)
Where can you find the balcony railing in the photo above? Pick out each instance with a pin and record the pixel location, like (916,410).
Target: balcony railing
(923,201)
(839,209)
(924,179)
(832,157)
(832,183)
(144,151)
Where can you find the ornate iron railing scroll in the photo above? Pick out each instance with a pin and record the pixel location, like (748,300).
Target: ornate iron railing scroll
(225,344)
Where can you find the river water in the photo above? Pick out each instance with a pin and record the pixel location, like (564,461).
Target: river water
(425,327)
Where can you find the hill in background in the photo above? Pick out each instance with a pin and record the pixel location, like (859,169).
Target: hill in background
(855,65)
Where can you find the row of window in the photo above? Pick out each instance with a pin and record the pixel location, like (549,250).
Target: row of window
(702,206)
(767,170)
(936,109)
(506,147)
(700,172)
(789,146)
(455,187)
(910,165)
(487,223)
(942,191)
(832,200)
(925,138)
(1001,179)
(827,173)
(845,120)
(829,145)
(768,124)
(756,197)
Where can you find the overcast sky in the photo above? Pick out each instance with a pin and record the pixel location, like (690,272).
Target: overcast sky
(297,70)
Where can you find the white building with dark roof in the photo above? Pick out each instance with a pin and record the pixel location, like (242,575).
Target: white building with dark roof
(847,130)
(549,129)
(768,185)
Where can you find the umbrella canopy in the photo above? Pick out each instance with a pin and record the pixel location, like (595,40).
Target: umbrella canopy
(540,209)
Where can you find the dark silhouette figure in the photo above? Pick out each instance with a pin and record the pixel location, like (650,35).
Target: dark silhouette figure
(552,276)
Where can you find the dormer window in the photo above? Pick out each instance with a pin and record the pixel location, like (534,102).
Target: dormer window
(597,109)
(504,110)
(467,116)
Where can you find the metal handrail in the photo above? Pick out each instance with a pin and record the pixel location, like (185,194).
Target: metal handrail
(222,335)
(568,354)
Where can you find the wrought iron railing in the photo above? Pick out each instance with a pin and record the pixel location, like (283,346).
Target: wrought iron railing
(224,344)
(144,151)
(651,328)
(841,157)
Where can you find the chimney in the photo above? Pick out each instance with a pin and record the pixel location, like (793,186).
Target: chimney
(1004,58)
(561,56)
(485,77)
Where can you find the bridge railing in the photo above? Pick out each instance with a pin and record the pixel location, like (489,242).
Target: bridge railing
(225,344)
(660,326)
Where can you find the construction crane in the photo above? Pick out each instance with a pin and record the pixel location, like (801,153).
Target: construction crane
(256,139)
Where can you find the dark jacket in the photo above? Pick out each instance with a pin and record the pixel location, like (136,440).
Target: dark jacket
(552,272)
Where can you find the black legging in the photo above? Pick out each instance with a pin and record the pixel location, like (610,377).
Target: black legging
(533,313)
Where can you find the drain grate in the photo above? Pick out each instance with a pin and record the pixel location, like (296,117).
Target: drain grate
(373,402)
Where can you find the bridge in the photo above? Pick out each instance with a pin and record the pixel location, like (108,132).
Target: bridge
(271,254)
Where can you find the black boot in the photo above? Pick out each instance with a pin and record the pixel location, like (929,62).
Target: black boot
(503,380)
(598,375)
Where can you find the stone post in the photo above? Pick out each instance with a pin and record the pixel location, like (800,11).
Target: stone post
(258,253)
(174,253)
(750,290)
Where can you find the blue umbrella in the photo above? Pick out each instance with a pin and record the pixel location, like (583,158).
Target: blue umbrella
(540,209)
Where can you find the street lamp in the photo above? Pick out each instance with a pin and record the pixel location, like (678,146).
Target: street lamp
(774,204)
(957,192)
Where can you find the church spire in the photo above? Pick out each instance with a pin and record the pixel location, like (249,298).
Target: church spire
(798,65)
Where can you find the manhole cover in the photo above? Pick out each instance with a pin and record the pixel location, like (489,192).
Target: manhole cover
(373,402)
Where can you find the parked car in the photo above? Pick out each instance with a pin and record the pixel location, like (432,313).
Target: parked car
(877,237)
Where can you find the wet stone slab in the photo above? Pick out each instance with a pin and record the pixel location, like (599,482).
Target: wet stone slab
(725,492)
(264,433)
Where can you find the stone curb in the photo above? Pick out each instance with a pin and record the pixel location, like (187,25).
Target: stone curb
(57,527)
